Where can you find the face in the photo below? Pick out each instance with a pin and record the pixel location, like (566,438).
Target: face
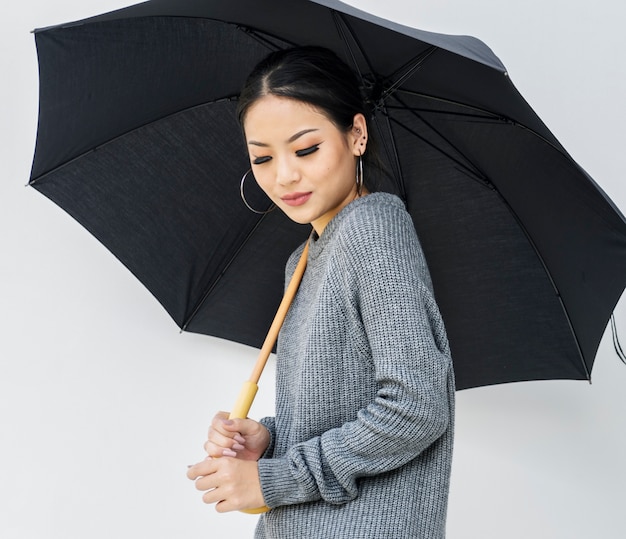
(303,162)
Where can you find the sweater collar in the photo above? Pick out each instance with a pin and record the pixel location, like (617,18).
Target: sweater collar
(317,243)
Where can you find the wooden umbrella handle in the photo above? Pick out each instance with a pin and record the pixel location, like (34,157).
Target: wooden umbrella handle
(249,389)
(281,314)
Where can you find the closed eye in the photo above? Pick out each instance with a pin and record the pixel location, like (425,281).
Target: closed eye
(308,151)
(261,160)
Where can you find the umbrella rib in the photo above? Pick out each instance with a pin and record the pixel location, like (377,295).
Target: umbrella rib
(249,31)
(342,25)
(549,275)
(409,69)
(382,106)
(220,275)
(371,86)
(486,114)
(486,117)
(380,95)
(255,34)
(483,177)
(395,157)
(122,135)
(475,174)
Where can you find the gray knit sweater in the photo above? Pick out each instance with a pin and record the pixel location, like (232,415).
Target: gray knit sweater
(362,438)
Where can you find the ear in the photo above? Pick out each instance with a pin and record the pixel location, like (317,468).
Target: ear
(358,134)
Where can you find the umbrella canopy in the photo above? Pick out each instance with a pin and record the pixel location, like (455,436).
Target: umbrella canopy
(138,141)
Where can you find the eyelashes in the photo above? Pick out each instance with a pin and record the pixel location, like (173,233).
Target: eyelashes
(261,160)
(308,151)
(300,153)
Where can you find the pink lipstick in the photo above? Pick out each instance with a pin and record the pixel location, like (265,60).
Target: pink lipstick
(296,199)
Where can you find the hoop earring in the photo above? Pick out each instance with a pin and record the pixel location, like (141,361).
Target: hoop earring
(243,197)
(359,176)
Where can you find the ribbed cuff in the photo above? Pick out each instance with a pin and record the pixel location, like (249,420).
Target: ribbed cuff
(270,424)
(278,485)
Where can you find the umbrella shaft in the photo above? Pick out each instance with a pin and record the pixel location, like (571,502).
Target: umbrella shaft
(240,411)
(244,400)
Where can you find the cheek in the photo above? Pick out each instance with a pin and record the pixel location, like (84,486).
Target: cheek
(331,168)
(262,178)
(343,169)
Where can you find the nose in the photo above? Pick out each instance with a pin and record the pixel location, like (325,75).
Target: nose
(286,172)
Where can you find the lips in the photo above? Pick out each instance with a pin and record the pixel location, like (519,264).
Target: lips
(296,199)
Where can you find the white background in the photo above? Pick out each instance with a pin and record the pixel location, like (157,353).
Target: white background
(103,403)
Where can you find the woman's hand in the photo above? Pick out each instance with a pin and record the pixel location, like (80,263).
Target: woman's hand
(230,483)
(242,438)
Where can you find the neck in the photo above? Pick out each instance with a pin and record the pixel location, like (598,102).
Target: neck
(320,223)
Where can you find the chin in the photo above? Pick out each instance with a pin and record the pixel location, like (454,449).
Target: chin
(297,215)
(299,220)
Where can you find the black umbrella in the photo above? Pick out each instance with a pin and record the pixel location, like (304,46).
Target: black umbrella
(138,141)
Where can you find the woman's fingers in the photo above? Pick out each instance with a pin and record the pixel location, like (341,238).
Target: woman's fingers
(207,482)
(242,438)
(219,446)
(222,443)
(239,427)
(231,484)
(204,467)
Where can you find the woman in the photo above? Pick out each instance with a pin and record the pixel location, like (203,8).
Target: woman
(361,443)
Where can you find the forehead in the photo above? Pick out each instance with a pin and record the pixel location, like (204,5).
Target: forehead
(275,114)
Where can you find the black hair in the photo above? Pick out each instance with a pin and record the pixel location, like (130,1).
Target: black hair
(313,75)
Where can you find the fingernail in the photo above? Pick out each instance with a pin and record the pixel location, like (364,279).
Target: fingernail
(239,439)
(238,447)
(229,453)
(227,422)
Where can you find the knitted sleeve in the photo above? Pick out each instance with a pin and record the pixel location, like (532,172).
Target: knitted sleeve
(270,424)
(385,273)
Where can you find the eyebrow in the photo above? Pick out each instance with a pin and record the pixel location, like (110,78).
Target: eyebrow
(291,139)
